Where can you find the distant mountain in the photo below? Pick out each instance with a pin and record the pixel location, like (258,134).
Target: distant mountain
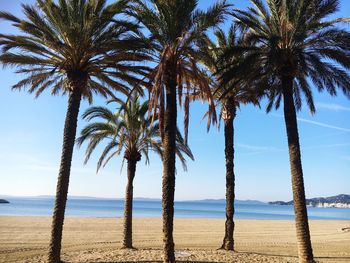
(339,201)
(250,202)
(145,199)
(246,202)
(237,202)
(71,197)
(3,201)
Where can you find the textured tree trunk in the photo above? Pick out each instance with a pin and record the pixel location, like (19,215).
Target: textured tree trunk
(127,239)
(70,128)
(301,219)
(230,114)
(168,184)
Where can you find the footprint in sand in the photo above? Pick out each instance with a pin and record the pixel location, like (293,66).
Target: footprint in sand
(345,229)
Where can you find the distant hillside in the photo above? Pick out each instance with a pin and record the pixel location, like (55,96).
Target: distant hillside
(339,201)
(237,202)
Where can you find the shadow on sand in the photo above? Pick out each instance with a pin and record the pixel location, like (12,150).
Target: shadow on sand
(266,254)
(146,261)
(335,258)
(296,257)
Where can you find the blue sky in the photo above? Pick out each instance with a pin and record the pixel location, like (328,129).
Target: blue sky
(32,129)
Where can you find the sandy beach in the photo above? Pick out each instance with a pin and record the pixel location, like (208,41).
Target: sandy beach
(25,239)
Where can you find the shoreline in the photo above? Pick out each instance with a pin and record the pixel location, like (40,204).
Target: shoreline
(26,238)
(176,217)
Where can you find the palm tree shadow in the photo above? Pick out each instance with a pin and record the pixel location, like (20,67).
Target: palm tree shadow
(289,256)
(267,254)
(333,258)
(147,261)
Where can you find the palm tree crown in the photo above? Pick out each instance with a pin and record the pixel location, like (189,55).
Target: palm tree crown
(72,41)
(236,91)
(129,129)
(176,29)
(294,39)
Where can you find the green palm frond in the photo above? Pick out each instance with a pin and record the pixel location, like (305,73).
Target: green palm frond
(61,41)
(175,30)
(129,130)
(295,39)
(237,91)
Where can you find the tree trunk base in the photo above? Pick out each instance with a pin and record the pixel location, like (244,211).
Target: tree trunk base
(228,246)
(128,248)
(307,261)
(223,248)
(50,260)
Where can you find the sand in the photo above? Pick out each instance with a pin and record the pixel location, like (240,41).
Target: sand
(25,239)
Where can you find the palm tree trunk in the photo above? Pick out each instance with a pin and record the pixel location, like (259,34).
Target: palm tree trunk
(230,112)
(301,218)
(70,128)
(127,239)
(168,184)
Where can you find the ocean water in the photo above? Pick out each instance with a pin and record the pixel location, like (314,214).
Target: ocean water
(152,208)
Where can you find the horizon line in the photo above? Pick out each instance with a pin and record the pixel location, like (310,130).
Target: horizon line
(157,199)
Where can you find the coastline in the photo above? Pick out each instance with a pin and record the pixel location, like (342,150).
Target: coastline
(24,238)
(153,209)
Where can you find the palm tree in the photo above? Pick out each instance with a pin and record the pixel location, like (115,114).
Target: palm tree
(71,47)
(174,28)
(294,45)
(131,130)
(231,96)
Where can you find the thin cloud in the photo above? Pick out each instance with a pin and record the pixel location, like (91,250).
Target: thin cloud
(255,149)
(317,123)
(36,165)
(346,158)
(318,137)
(325,125)
(332,106)
(54,169)
(326,146)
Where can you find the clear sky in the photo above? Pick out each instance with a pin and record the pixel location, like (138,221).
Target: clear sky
(32,129)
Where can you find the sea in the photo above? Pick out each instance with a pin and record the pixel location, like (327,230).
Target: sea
(96,207)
